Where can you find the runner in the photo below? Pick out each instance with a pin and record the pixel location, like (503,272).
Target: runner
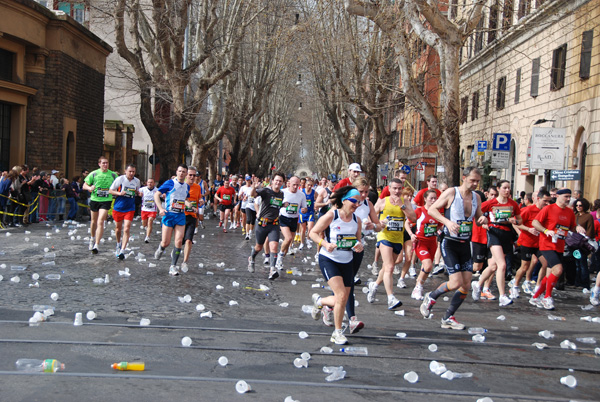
(98,184)
(394,210)
(204,190)
(148,207)
(193,202)
(268,221)
(425,240)
(354,171)
(225,196)
(554,221)
(217,183)
(461,207)
(336,255)
(307,220)
(503,212)
(294,201)
(176,192)
(247,204)
(125,188)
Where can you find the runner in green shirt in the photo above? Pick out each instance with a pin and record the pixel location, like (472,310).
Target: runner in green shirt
(98,183)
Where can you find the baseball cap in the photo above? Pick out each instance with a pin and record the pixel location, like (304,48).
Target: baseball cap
(355,166)
(332,177)
(54,171)
(248,177)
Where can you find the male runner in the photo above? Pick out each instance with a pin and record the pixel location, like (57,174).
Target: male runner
(194,201)
(247,204)
(125,188)
(294,201)
(354,171)
(148,207)
(225,196)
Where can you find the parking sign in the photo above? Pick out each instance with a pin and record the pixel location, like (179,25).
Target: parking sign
(501,142)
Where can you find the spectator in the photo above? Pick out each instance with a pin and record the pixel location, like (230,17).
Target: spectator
(5,193)
(586,221)
(71,197)
(53,202)
(84,196)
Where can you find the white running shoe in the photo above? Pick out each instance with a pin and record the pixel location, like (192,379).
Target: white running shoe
(374,268)
(301,246)
(412,272)
(308,244)
(417,293)
(92,242)
(514,292)
(537,302)
(396,270)
(526,286)
(316,310)
(401,283)
(475,290)
(393,303)
(279,263)
(184,267)
(338,337)
(173,271)
(504,301)
(327,316)
(426,306)
(548,303)
(158,253)
(250,265)
(266,261)
(372,291)
(355,325)
(147,239)
(451,323)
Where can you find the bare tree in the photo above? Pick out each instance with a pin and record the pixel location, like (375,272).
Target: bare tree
(426,19)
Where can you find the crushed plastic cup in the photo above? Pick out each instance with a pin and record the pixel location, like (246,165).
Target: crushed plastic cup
(35,277)
(303,335)
(401,334)
(15,279)
(54,296)
(78,319)
(478,338)
(289,398)
(264,288)
(242,387)
(556,318)
(98,281)
(144,322)
(206,314)
(589,339)
(151,265)
(433,347)
(235,284)
(485,399)
(34,285)
(567,344)
(399,312)
(200,307)
(219,287)
(307,309)
(90,315)
(306,356)
(411,377)
(284,304)
(539,345)
(336,373)
(546,334)
(569,381)
(437,368)
(501,318)
(299,363)
(326,349)
(184,268)
(186,341)
(233,303)
(587,307)
(223,361)
(187,298)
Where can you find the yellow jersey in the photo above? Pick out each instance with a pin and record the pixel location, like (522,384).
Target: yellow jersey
(394,230)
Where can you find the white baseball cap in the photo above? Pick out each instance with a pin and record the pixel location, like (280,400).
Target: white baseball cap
(355,167)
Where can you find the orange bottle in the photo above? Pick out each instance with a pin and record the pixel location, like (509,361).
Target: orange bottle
(130,366)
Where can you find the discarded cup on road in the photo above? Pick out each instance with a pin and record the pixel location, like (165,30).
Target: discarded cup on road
(433,347)
(90,315)
(235,284)
(35,277)
(15,279)
(486,399)
(306,356)
(289,399)
(437,368)
(546,334)
(399,312)
(411,377)
(401,334)
(186,341)
(303,335)
(501,318)
(590,339)
(478,338)
(242,387)
(206,314)
(98,281)
(223,361)
(219,287)
(326,349)
(78,319)
(556,318)
(144,322)
(233,303)
(54,296)
(335,373)
(567,344)
(299,363)
(539,345)
(200,307)
(569,381)
(151,265)
(284,304)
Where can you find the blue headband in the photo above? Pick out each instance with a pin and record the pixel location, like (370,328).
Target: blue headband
(350,194)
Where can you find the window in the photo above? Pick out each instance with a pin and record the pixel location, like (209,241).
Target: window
(559,63)
(464,109)
(487,99)
(479,35)
(524,8)
(501,93)
(507,18)
(518,86)
(586,54)
(453,9)
(535,77)
(475,106)
(7,60)
(493,22)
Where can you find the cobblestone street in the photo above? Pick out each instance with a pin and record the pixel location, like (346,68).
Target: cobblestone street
(256,324)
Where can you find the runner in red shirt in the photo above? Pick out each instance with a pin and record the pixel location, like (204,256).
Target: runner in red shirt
(529,243)
(400,174)
(432,183)
(354,171)
(503,212)
(225,195)
(554,222)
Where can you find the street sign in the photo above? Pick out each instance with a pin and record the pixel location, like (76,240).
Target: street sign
(419,166)
(440,169)
(481,147)
(500,159)
(547,148)
(565,175)
(501,142)
(405,169)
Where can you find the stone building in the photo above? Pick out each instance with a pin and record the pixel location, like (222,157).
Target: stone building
(535,64)
(51,89)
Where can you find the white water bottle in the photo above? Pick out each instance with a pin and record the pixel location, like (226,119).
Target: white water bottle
(36,365)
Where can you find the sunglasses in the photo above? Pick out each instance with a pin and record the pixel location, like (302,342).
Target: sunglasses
(352,200)
(189,174)
(579,205)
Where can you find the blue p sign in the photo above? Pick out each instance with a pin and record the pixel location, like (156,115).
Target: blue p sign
(501,142)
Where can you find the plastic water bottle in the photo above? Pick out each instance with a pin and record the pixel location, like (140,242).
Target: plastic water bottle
(129,366)
(477,330)
(36,365)
(590,339)
(355,350)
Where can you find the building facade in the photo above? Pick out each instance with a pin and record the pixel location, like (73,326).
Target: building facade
(534,64)
(51,89)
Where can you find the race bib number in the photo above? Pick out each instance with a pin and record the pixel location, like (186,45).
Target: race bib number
(345,241)
(561,231)
(292,209)
(250,199)
(308,203)
(501,214)
(130,192)
(276,202)
(465,228)
(430,229)
(177,205)
(395,224)
(102,192)
(149,204)
(192,206)
(226,197)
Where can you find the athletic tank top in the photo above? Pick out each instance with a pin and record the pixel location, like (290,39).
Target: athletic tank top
(456,213)
(363,211)
(394,230)
(324,209)
(310,201)
(343,235)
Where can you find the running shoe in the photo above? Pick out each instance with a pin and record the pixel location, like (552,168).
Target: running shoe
(504,301)
(438,269)
(401,283)
(173,271)
(118,250)
(536,301)
(158,253)
(526,286)
(412,272)
(355,325)
(372,291)
(273,274)
(308,244)
(92,242)
(396,270)
(95,249)
(225,230)
(511,283)
(417,293)
(184,267)
(427,305)
(121,256)
(514,292)
(451,323)
(316,310)
(486,294)
(327,316)
(301,246)
(279,263)
(548,303)
(250,265)
(374,268)
(266,261)
(338,337)
(594,297)
(475,290)
(247,237)
(220,224)
(357,280)
(147,239)
(393,303)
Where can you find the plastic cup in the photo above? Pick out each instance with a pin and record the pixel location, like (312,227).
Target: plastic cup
(186,341)
(90,315)
(223,361)
(299,363)
(242,387)
(144,322)
(78,319)
(54,296)
(411,377)
(306,356)
(432,348)
(569,381)
(303,335)
(200,307)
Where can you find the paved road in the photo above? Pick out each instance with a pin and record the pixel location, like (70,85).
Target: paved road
(258,335)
